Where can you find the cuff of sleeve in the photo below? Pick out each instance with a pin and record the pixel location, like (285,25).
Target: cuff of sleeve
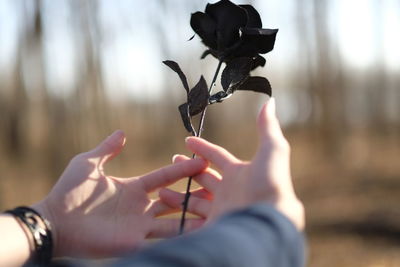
(291,238)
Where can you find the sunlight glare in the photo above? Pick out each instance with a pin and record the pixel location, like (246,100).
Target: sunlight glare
(355,21)
(391,34)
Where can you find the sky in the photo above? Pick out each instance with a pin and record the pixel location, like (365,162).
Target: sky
(132,53)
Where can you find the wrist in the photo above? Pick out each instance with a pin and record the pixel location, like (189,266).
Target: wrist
(43,209)
(293,209)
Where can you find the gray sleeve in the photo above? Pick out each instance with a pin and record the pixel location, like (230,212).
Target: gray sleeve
(256,236)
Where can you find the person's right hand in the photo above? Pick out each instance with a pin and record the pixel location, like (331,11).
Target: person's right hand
(265,179)
(94,214)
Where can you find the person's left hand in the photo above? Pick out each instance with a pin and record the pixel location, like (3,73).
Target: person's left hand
(97,215)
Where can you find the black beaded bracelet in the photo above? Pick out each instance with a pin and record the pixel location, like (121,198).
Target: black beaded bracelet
(42,237)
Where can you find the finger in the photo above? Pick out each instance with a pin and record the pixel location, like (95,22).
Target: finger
(270,132)
(172,173)
(209,179)
(179,158)
(199,193)
(159,208)
(197,205)
(202,193)
(109,148)
(213,153)
(164,228)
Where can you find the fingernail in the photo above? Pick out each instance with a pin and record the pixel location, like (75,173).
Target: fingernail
(121,137)
(118,133)
(117,137)
(187,139)
(174,157)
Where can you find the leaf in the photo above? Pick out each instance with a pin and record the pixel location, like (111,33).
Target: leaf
(256,84)
(205,53)
(212,52)
(184,111)
(175,67)
(259,61)
(198,97)
(235,72)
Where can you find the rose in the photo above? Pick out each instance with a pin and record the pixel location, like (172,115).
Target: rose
(234,36)
(232,31)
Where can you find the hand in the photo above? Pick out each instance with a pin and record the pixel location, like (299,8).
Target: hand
(265,179)
(97,215)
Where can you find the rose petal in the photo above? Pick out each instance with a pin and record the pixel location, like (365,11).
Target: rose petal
(253,17)
(205,27)
(229,18)
(245,49)
(261,39)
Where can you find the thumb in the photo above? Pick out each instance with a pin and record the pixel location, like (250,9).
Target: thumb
(109,147)
(268,124)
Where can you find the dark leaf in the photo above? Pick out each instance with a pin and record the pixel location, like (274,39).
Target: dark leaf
(253,18)
(229,18)
(257,84)
(184,111)
(205,53)
(235,72)
(259,61)
(175,67)
(205,27)
(219,97)
(198,97)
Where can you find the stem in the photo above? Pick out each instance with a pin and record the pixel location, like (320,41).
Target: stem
(199,131)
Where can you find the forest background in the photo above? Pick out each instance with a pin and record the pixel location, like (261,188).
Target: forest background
(73,71)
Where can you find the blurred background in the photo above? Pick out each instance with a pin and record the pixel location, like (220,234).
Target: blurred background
(73,71)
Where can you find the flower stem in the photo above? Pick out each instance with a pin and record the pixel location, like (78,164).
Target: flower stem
(185,202)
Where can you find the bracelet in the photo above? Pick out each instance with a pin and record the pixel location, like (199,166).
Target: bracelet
(42,237)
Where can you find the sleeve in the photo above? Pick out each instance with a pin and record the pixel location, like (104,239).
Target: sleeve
(256,236)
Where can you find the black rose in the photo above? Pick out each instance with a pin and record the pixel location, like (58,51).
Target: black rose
(232,31)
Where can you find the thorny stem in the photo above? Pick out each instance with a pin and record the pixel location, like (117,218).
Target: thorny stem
(185,202)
